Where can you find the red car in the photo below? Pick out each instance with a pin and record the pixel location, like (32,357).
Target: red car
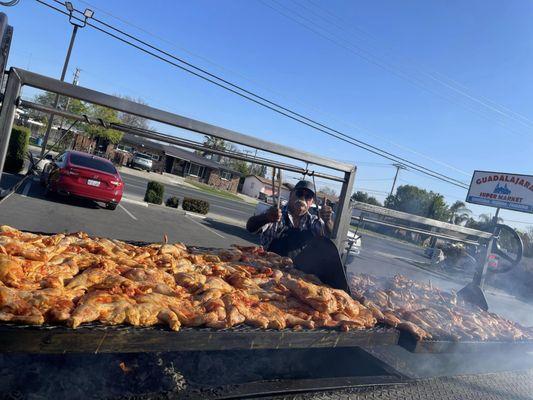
(83,175)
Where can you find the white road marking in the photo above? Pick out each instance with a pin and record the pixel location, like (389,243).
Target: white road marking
(127,212)
(138,202)
(26,189)
(202,225)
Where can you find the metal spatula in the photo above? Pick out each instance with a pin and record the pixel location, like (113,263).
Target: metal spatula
(320,257)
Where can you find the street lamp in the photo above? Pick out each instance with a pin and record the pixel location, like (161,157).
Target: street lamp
(76,24)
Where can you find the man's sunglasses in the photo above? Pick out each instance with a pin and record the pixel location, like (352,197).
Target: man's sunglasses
(306,194)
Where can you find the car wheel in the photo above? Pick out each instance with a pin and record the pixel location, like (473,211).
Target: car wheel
(111,206)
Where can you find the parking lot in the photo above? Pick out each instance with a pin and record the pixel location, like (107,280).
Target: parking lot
(29,209)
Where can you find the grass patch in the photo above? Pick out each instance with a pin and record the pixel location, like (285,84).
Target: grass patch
(211,190)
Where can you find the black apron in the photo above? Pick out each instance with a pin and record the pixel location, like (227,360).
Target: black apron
(291,241)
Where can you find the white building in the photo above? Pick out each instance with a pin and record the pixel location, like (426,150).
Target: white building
(254,185)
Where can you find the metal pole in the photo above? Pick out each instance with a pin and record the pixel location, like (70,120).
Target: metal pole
(74,82)
(279,188)
(398,167)
(343,211)
(480,277)
(273,183)
(56,100)
(7,114)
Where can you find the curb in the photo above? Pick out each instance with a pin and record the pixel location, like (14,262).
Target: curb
(230,221)
(195,215)
(138,202)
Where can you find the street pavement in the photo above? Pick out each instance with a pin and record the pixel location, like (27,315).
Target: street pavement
(135,187)
(30,210)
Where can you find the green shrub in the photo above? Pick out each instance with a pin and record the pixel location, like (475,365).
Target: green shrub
(152,197)
(195,205)
(18,147)
(173,202)
(154,192)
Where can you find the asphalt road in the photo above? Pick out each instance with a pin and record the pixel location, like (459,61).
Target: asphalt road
(29,209)
(135,187)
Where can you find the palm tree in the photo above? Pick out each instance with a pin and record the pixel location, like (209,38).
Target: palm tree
(459,213)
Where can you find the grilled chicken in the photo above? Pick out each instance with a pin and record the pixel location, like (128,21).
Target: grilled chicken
(427,312)
(75,279)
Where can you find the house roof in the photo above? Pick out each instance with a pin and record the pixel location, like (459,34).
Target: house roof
(129,138)
(177,152)
(183,154)
(268,182)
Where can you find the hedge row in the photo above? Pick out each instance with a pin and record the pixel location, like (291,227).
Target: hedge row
(195,205)
(154,192)
(173,202)
(18,147)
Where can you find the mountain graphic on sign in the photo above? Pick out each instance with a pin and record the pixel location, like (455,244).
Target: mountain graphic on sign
(502,189)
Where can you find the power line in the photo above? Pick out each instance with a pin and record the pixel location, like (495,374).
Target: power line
(212,78)
(428,72)
(262,85)
(370,58)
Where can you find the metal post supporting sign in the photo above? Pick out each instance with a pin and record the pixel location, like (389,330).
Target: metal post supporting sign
(500,190)
(479,277)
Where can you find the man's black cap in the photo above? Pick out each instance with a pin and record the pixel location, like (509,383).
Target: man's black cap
(304,185)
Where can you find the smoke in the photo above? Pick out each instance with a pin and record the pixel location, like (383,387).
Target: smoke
(425,365)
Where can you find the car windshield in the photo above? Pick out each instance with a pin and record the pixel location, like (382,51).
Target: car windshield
(143,156)
(93,163)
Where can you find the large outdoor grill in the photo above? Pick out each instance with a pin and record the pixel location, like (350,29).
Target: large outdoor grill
(410,343)
(246,361)
(97,338)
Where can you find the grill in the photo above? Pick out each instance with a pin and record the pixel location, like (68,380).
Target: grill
(98,338)
(409,342)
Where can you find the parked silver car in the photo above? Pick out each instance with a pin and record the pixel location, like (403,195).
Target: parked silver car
(141,161)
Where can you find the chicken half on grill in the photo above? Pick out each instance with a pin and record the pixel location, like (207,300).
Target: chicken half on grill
(76,279)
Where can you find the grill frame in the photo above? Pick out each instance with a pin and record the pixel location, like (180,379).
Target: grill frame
(97,338)
(410,343)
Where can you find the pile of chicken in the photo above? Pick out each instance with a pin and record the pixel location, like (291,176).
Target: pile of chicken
(427,312)
(75,279)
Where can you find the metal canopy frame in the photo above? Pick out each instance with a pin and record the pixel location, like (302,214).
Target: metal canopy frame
(411,218)
(150,134)
(20,77)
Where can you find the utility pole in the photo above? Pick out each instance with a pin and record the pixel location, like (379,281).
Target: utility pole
(398,168)
(76,76)
(252,164)
(87,14)
(75,81)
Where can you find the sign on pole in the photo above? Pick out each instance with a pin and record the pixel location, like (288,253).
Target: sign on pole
(503,190)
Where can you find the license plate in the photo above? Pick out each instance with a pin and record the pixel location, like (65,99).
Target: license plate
(92,182)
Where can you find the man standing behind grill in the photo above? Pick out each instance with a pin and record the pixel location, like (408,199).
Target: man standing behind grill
(286,231)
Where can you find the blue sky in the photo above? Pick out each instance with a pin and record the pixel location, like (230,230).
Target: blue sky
(443,83)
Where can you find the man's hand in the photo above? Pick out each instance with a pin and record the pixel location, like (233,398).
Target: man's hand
(273,214)
(325,213)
